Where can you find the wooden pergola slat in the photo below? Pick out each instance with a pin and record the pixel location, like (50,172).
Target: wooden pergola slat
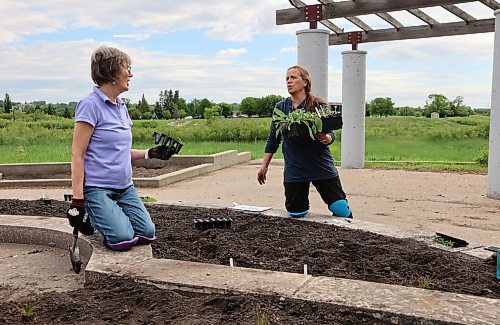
(391,20)
(446,29)
(423,16)
(351,9)
(459,13)
(491,3)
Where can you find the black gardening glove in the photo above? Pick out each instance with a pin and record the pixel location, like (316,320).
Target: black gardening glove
(160,152)
(78,218)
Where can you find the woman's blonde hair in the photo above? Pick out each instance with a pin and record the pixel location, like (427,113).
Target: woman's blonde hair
(311,101)
(106,62)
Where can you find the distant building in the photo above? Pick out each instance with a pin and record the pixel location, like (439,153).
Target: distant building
(434,115)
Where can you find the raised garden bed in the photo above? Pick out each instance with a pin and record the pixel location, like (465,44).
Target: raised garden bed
(280,244)
(123,301)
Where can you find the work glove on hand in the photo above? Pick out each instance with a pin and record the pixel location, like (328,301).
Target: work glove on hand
(160,152)
(78,218)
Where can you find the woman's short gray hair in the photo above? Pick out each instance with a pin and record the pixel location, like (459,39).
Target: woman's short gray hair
(106,62)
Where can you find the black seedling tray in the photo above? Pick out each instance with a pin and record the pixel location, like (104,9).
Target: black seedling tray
(212,223)
(164,140)
(492,248)
(457,242)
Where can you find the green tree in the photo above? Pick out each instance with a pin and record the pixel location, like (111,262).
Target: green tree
(212,112)
(459,108)
(437,103)
(192,107)
(406,111)
(66,113)
(204,103)
(158,111)
(7,103)
(265,105)
(381,106)
(143,105)
(51,109)
(248,106)
(226,109)
(134,114)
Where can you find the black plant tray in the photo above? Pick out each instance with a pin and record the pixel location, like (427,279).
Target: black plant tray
(457,242)
(492,248)
(329,124)
(212,223)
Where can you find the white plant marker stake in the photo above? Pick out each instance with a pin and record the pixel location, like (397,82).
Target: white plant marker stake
(305,269)
(231,262)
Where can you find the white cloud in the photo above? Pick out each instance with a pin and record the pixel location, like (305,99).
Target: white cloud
(223,20)
(60,72)
(135,37)
(288,49)
(231,52)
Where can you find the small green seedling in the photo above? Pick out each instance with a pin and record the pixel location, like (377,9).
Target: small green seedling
(147,199)
(27,310)
(425,282)
(262,319)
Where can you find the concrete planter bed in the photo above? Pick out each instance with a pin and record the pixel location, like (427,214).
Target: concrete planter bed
(147,173)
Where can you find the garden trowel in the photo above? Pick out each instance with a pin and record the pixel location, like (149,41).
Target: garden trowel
(74,253)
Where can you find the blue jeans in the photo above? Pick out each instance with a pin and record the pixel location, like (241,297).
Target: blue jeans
(118,215)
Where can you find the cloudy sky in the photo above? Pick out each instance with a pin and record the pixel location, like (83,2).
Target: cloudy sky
(221,50)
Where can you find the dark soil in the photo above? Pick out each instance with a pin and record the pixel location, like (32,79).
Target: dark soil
(137,172)
(123,301)
(262,242)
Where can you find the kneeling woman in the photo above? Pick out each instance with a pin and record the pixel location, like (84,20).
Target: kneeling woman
(104,196)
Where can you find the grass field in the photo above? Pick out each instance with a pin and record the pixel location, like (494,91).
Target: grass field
(426,143)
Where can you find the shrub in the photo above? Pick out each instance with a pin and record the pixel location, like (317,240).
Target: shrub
(482,158)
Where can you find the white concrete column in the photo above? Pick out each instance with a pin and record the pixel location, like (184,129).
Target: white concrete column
(353,109)
(494,145)
(312,54)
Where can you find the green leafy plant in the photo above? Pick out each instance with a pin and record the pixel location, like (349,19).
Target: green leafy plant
(442,241)
(20,153)
(312,121)
(482,158)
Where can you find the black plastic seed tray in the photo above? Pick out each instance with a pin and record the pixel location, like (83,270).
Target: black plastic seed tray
(212,223)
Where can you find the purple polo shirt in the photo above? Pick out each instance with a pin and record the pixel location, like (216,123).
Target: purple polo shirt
(107,160)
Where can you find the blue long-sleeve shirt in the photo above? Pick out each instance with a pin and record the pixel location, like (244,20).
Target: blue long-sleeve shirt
(305,159)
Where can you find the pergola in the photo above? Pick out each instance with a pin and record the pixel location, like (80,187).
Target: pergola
(312,44)
(350,10)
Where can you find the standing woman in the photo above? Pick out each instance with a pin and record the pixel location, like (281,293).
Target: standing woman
(306,160)
(104,196)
